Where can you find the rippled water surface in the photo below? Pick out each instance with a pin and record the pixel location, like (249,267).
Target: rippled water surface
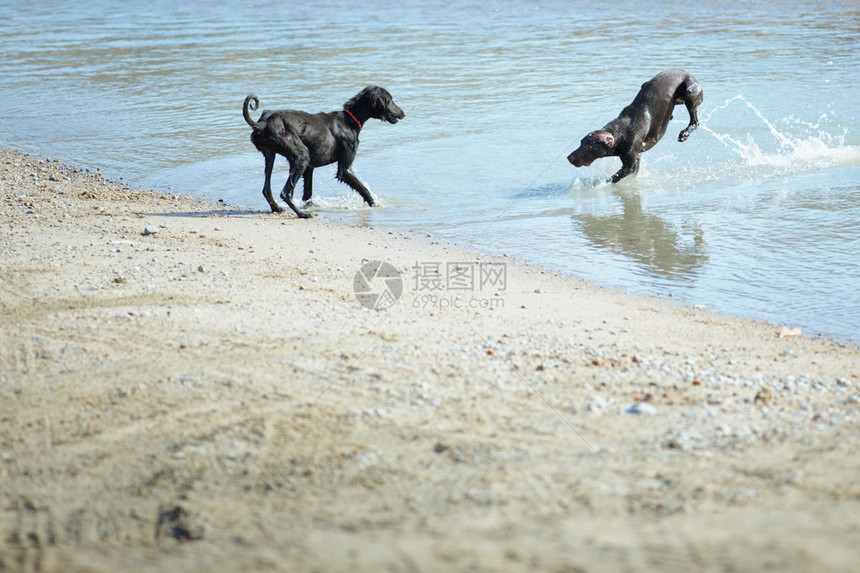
(758,213)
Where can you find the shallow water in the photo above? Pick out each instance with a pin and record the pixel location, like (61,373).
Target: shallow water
(757,214)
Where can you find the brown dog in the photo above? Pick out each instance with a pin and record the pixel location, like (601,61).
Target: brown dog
(642,123)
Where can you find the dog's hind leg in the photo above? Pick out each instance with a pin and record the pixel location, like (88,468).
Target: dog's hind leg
(297,168)
(692,97)
(298,156)
(267,185)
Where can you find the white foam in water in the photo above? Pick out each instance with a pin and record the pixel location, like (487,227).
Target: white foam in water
(340,202)
(793,155)
(330,195)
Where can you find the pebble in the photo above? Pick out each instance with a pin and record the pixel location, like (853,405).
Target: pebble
(150,230)
(596,404)
(641,408)
(764,395)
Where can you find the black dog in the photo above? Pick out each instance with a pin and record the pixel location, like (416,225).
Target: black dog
(313,140)
(642,123)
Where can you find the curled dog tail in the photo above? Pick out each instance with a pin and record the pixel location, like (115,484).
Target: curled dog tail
(251,103)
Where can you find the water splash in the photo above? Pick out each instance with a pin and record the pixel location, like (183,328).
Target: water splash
(340,202)
(794,153)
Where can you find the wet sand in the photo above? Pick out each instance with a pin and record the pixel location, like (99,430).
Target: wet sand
(187,386)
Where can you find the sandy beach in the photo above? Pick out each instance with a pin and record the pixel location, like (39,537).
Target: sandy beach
(187,386)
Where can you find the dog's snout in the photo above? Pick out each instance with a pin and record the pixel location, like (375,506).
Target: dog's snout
(394,114)
(576,160)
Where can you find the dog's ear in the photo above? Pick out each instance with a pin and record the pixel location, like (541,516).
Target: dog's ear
(605,138)
(379,99)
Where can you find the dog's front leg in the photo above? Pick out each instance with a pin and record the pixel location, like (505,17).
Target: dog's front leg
(309,183)
(347,176)
(629,166)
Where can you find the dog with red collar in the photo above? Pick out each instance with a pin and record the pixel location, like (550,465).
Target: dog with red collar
(312,140)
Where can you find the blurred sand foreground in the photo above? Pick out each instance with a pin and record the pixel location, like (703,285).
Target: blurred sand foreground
(212,397)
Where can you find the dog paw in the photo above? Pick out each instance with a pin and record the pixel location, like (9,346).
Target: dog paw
(683,136)
(303,215)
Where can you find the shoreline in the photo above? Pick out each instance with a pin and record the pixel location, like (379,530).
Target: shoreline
(211,394)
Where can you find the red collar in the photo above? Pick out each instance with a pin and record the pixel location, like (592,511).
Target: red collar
(355,119)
